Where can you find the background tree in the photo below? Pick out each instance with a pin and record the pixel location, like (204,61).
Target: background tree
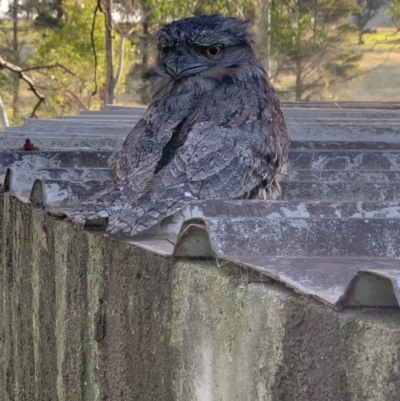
(308,44)
(10,48)
(305,44)
(394,12)
(16,41)
(159,12)
(45,13)
(69,45)
(129,15)
(366,10)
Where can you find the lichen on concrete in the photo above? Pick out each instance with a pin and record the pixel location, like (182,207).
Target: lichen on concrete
(61,272)
(372,352)
(231,350)
(84,317)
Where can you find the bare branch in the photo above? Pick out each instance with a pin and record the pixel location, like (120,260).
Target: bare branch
(387,54)
(314,64)
(117,28)
(290,7)
(98,6)
(144,18)
(121,52)
(108,27)
(41,100)
(21,75)
(77,99)
(385,60)
(57,85)
(315,22)
(384,40)
(51,66)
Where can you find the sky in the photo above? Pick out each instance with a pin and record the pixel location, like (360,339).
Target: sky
(3,6)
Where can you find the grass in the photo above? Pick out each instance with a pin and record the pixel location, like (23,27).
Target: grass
(381,40)
(379,78)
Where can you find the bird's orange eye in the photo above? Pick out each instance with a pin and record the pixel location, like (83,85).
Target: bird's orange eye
(163,50)
(213,51)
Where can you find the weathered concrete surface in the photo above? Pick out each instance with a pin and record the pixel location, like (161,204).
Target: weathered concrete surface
(86,318)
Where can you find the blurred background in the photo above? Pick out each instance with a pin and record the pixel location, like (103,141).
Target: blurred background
(84,54)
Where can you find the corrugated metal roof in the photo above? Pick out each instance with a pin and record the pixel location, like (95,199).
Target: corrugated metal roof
(333,235)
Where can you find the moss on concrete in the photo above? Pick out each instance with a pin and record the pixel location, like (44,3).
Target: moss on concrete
(226,334)
(86,318)
(371,346)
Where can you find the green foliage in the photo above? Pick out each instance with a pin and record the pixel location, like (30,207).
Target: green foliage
(166,11)
(44,20)
(46,13)
(163,12)
(305,41)
(331,11)
(70,45)
(394,12)
(6,83)
(309,43)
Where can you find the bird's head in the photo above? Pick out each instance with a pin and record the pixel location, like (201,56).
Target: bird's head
(205,47)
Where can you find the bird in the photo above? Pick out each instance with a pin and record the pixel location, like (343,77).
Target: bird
(214,129)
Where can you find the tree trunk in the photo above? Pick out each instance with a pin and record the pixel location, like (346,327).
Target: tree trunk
(110,80)
(262,22)
(298,85)
(360,36)
(145,50)
(144,87)
(16,58)
(59,9)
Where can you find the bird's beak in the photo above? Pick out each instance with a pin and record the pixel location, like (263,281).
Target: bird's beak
(182,67)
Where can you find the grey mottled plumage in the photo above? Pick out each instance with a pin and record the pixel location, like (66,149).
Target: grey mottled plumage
(214,129)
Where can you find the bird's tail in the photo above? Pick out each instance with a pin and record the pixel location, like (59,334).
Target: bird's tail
(143,214)
(99,206)
(126,218)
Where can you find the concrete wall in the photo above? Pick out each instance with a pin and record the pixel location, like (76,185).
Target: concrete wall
(83,317)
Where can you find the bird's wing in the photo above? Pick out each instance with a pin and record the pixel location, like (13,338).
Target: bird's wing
(134,168)
(214,162)
(143,148)
(167,195)
(137,161)
(223,162)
